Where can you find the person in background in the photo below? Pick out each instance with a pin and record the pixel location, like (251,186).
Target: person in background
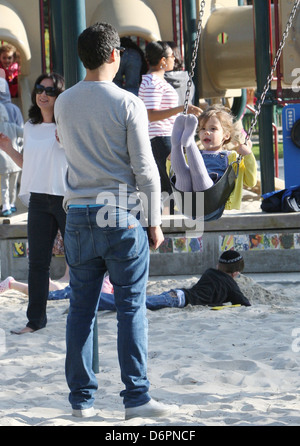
(132,66)
(216,286)
(178,77)
(11,67)
(9,170)
(43,186)
(14,113)
(161,101)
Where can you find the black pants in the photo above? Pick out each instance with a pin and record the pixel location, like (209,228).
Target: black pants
(45,216)
(161,149)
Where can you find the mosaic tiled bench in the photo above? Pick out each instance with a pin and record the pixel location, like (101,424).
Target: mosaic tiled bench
(268,242)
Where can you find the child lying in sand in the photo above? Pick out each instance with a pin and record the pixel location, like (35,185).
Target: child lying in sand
(214,288)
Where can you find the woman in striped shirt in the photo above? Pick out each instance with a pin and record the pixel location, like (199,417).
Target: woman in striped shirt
(161,101)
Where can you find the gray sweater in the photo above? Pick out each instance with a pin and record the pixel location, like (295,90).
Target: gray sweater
(104,131)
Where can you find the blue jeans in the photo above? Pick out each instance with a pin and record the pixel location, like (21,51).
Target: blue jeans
(90,251)
(172,298)
(130,68)
(64,293)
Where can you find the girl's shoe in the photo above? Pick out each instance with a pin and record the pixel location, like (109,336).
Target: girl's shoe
(6,213)
(13,209)
(4,286)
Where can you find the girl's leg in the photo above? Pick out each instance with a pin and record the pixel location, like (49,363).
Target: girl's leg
(6,284)
(5,192)
(19,286)
(200,177)
(13,180)
(178,162)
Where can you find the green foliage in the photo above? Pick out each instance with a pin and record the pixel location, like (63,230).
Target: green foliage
(255,150)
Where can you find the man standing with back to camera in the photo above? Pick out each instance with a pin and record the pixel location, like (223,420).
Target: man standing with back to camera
(103,130)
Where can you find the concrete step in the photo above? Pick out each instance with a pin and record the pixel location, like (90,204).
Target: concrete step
(270,243)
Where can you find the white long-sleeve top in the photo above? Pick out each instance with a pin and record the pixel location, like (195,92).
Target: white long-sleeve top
(44,162)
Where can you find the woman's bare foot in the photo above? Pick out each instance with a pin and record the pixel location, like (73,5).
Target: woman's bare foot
(24,330)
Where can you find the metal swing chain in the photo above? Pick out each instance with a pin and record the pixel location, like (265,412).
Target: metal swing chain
(270,77)
(194,57)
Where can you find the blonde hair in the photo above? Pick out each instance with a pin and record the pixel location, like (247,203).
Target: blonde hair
(8,48)
(225,117)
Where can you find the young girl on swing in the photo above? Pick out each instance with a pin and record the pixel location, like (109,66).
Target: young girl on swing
(205,167)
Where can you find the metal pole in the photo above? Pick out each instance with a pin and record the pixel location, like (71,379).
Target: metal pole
(56,36)
(73,23)
(95,346)
(190,34)
(263,68)
(239,103)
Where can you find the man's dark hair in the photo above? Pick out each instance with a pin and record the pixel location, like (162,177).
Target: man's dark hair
(96,43)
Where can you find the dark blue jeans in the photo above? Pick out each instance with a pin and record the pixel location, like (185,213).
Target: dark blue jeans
(123,250)
(130,68)
(171,298)
(45,216)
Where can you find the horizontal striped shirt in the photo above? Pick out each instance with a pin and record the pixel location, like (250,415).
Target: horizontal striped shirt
(158,94)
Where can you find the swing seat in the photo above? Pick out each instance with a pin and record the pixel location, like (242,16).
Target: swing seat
(214,198)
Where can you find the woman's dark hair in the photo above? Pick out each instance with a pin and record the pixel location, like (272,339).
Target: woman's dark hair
(155,51)
(178,63)
(34,113)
